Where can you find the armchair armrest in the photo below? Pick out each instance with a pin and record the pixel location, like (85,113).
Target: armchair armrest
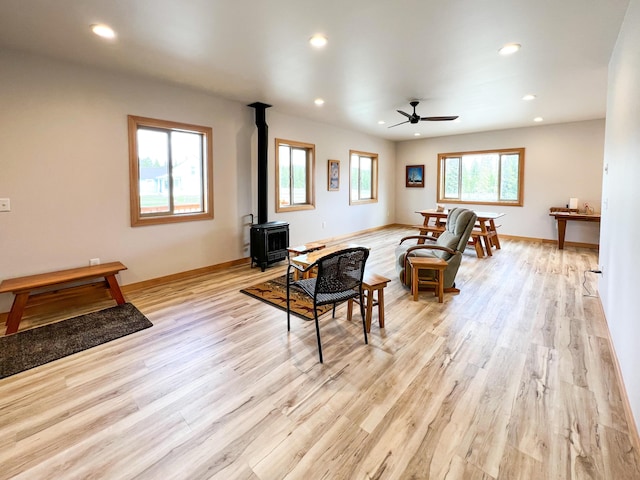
(429,247)
(418,237)
(299,269)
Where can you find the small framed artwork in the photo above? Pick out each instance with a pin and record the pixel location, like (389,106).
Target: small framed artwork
(415,176)
(334,176)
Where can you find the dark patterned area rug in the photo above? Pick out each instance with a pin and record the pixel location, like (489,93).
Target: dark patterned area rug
(274,292)
(24,350)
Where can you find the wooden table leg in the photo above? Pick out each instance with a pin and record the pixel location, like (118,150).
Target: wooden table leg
(494,230)
(562,228)
(477,244)
(440,274)
(349,309)
(381,307)
(15,314)
(368,295)
(114,288)
(414,282)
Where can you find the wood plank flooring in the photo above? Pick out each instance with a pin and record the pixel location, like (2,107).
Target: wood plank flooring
(511,379)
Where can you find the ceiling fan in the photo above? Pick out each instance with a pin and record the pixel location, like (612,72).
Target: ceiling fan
(415,118)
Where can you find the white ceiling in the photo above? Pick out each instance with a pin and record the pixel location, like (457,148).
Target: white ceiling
(381,54)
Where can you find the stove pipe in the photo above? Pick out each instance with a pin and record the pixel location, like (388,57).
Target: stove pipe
(263,147)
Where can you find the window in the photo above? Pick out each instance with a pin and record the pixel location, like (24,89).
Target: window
(490,177)
(363,173)
(171,171)
(294,169)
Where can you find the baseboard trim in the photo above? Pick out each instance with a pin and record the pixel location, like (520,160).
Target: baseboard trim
(633,427)
(152,282)
(593,246)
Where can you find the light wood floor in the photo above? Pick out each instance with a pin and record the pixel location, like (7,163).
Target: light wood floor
(511,379)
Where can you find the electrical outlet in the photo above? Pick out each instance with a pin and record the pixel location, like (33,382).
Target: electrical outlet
(5,205)
(94,261)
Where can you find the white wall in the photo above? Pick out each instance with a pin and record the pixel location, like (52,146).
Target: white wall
(64,165)
(333,207)
(619,253)
(561,161)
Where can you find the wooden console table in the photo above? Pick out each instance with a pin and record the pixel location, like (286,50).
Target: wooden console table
(562,217)
(23,286)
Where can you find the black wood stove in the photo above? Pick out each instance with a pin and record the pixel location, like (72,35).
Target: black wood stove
(269,240)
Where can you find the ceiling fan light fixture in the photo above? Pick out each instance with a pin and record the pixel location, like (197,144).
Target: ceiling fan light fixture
(381,122)
(509,49)
(104,31)
(318,40)
(414,118)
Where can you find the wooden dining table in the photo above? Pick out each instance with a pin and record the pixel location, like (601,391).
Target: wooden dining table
(484,236)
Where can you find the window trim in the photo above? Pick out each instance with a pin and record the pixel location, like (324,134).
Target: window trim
(374,177)
(512,203)
(137,219)
(311,176)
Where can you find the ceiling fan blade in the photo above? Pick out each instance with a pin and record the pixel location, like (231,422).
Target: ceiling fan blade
(438,119)
(398,124)
(404,113)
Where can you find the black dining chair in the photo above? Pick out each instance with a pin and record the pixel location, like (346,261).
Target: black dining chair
(338,279)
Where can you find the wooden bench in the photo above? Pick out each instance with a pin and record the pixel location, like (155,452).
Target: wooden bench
(484,238)
(23,287)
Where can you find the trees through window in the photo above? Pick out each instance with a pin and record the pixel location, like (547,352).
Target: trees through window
(484,177)
(295,165)
(171,171)
(363,177)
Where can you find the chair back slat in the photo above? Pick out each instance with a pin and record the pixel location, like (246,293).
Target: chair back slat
(341,271)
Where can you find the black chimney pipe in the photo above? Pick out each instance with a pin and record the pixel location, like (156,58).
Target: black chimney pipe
(263,150)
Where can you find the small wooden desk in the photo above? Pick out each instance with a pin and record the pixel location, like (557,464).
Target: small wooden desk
(562,217)
(22,286)
(484,236)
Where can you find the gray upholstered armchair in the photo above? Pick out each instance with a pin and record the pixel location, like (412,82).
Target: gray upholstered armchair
(448,246)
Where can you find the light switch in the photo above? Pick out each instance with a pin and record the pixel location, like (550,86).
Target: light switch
(5,205)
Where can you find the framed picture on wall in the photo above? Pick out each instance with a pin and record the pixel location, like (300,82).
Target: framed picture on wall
(415,176)
(334,176)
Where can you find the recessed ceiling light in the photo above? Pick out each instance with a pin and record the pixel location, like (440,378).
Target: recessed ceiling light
(538,119)
(103,31)
(416,134)
(528,97)
(509,48)
(381,122)
(318,40)
(319,101)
